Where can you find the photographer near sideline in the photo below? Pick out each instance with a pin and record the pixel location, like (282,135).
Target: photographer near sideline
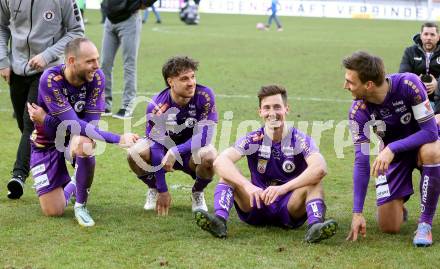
(423,59)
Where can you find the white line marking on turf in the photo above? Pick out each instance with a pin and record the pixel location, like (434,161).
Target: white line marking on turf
(241,96)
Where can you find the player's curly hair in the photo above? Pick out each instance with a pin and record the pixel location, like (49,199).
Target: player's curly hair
(176,65)
(368,67)
(270,90)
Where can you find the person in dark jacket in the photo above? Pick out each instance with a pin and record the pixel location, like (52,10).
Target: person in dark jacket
(423,59)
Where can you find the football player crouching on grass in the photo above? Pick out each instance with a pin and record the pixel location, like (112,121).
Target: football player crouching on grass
(286,171)
(70,97)
(181,121)
(398,109)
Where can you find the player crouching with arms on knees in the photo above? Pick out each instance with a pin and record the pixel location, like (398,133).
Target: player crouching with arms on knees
(286,171)
(181,121)
(70,97)
(397,108)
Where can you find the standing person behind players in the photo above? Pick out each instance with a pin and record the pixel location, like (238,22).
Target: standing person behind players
(286,173)
(37,32)
(397,108)
(122,27)
(423,59)
(181,121)
(72,95)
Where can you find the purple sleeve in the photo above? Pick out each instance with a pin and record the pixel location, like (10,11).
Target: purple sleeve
(250,143)
(422,112)
(50,92)
(50,125)
(359,120)
(207,102)
(88,129)
(157,154)
(149,115)
(202,136)
(361,177)
(304,144)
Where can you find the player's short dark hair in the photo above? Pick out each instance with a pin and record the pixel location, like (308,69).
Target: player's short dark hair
(176,65)
(368,67)
(429,25)
(73,46)
(270,90)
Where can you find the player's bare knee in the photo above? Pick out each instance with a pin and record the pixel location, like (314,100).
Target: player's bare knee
(53,211)
(208,155)
(83,146)
(390,227)
(430,153)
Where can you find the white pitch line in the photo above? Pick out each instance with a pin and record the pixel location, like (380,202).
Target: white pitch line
(241,96)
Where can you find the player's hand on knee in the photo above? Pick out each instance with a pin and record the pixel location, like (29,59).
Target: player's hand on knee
(168,161)
(270,194)
(127,140)
(382,162)
(36,113)
(163,203)
(358,226)
(254,193)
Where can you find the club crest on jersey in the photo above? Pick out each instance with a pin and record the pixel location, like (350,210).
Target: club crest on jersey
(190,122)
(406,118)
(79,106)
(261,166)
(288,166)
(49,15)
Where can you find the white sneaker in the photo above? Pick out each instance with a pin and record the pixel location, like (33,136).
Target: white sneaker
(198,201)
(83,217)
(150,202)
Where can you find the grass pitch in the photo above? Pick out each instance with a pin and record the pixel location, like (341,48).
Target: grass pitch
(236,60)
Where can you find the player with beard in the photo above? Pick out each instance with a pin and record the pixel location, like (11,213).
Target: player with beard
(181,121)
(70,98)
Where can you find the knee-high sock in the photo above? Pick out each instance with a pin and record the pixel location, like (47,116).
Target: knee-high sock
(223,200)
(149,179)
(69,190)
(315,211)
(200,184)
(84,177)
(429,192)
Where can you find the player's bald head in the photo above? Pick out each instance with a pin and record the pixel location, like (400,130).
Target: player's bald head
(78,46)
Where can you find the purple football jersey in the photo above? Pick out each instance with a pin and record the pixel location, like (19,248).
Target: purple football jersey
(275,163)
(56,95)
(394,119)
(167,119)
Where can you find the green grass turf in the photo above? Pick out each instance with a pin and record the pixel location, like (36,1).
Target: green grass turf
(236,60)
